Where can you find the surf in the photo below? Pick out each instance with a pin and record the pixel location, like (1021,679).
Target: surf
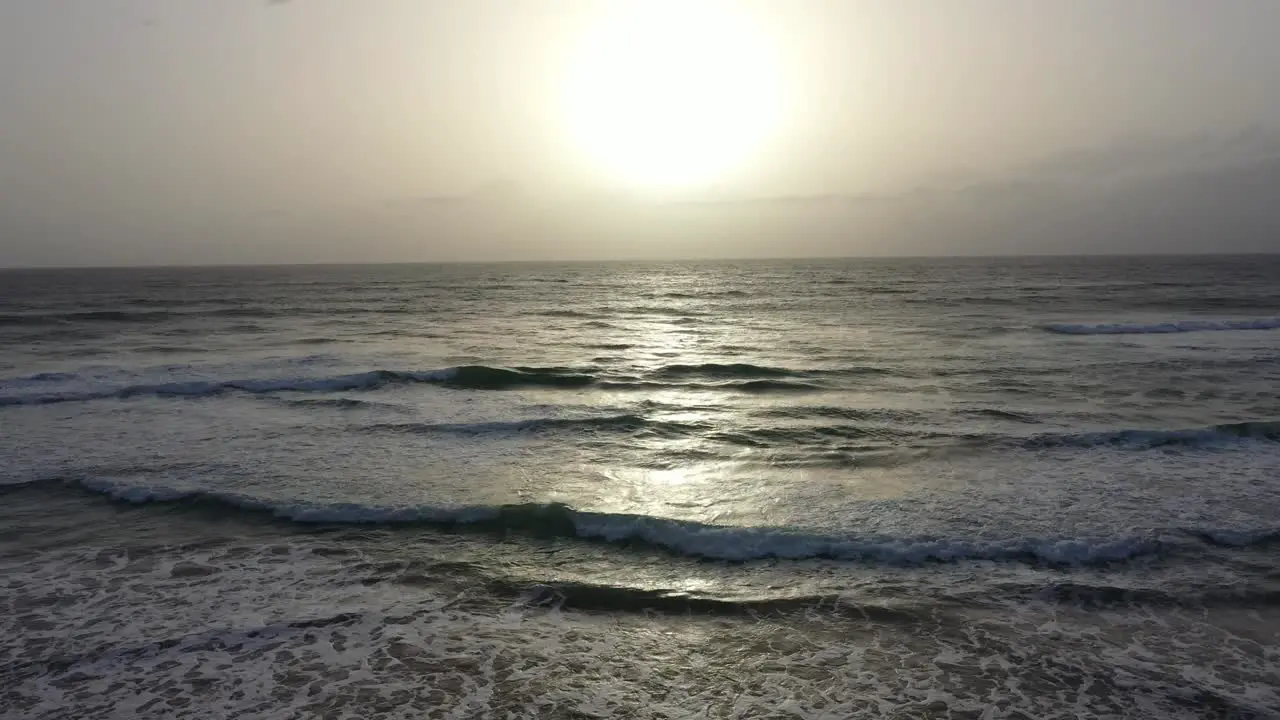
(690,538)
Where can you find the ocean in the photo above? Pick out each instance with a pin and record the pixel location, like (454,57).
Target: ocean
(917,488)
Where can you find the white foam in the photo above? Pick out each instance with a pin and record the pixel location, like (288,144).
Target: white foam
(277,630)
(688,538)
(1168,327)
(128,492)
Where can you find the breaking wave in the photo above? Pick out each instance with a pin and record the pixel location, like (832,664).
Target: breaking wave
(679,537)
(470,377)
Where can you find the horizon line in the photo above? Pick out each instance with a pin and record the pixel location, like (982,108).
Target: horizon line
(659,260)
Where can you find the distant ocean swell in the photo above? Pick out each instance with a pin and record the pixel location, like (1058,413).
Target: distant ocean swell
(847,444)
(791,435)
(700,540)
(267,311)
(470,377)
(475,377)
(626,423)
(1184,326)
(1265,430)
(882,427)
(162,316)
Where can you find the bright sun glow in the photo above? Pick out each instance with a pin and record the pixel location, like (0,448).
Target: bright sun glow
(670,94)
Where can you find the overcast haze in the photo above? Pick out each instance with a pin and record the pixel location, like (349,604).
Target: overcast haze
(238,131)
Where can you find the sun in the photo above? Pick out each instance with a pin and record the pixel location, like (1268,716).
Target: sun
(666,94)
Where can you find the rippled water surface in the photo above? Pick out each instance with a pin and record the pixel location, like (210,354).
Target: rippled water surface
(989,488)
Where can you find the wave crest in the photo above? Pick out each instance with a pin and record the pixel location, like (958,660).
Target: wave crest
(626,423)
(679,537)
(1268,430)
(470,377)
(724,370)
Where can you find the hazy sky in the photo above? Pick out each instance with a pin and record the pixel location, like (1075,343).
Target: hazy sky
(190,131)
